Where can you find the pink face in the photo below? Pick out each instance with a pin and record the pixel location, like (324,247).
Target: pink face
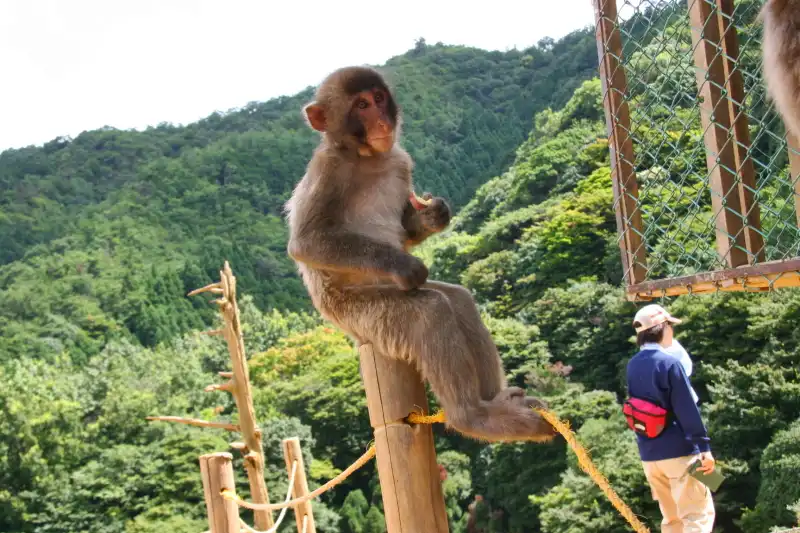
(371,109)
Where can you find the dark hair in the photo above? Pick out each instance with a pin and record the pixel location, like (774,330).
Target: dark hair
(654,334)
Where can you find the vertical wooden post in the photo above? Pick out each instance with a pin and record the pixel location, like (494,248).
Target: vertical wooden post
(292,452)
(412,490)
(716,121)
(618,125)
(240,389)
(794,171)
(216,470)
(741,134)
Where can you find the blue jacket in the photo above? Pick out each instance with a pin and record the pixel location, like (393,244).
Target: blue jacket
(658,377)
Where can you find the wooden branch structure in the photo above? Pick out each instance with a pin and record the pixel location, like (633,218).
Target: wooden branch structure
(217,473)
(413,501)
(303,512)
(216,468)
(195,422)
(239,387)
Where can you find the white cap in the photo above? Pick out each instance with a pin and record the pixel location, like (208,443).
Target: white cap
(652,315)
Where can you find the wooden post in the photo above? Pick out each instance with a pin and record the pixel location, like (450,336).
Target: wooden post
(794,171)
(292,452)
(412,491)
(216,470)
(716,121)
(618,125)
(239,387)
(741,134)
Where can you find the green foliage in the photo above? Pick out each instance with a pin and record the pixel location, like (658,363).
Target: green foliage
(587,325)
(780,468)
(457,487)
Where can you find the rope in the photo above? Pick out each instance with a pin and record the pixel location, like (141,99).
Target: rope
(584,460)
(275,527)
(416,418)
(230,495)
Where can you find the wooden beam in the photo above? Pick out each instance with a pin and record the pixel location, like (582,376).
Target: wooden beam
(745,169)
(794,172)
(618,125)
(292,452)
(413,501)
(216,470)
(717,127)
(756,278)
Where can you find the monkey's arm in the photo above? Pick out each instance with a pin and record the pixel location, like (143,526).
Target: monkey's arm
(421,224)
(348,252)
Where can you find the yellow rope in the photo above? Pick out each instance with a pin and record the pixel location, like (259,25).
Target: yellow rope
(230,495)
(416,418)
(584,460)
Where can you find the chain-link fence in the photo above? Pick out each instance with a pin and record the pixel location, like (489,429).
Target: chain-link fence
(707,192)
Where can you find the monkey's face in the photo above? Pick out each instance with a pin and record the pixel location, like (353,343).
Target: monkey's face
(370,120)
(354,107)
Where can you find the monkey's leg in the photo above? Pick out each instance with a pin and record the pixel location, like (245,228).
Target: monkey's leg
(493,382)
(423,327)
(478,338)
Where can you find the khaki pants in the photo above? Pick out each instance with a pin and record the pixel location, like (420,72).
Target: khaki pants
(685,503)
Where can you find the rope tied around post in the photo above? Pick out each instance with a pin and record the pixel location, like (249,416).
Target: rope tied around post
(282,514)
(361,461)
(584,460)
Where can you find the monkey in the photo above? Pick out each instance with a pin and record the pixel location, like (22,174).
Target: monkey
(781,52)
(352,219)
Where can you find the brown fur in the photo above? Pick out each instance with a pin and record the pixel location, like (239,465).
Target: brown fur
(781,49)
(351,224)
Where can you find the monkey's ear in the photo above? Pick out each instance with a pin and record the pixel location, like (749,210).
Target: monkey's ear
(315,115)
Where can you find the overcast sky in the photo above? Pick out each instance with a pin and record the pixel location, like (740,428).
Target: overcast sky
(73,65)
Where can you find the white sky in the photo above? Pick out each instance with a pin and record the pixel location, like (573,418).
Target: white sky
(72,65)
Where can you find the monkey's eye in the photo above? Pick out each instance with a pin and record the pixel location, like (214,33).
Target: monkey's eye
(363,104)
(378,98)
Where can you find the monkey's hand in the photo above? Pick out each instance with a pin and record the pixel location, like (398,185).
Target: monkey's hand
(435,213)
(409,273)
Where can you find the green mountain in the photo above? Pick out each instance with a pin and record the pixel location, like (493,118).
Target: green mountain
(102,236)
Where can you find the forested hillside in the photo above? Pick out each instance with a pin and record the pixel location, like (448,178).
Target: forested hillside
(102,236)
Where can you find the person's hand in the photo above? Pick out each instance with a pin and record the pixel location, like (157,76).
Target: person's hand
(707,463)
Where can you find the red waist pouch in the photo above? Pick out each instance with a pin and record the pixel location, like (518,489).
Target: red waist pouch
(645,418)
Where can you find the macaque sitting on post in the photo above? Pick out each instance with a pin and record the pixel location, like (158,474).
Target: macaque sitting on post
(352,219)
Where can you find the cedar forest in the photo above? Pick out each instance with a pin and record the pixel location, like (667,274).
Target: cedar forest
(103,235)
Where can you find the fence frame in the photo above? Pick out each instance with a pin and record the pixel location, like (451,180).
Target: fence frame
(730,169)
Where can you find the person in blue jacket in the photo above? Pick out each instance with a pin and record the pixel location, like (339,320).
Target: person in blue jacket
(655,374)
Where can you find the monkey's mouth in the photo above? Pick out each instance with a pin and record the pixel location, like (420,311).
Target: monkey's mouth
(381,144)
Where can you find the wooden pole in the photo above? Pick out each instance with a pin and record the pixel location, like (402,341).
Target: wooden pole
(254,458)
(734,85)
(239,387)
(216,470)
(618,124)
(292,452)
(412,490)
(717,127)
